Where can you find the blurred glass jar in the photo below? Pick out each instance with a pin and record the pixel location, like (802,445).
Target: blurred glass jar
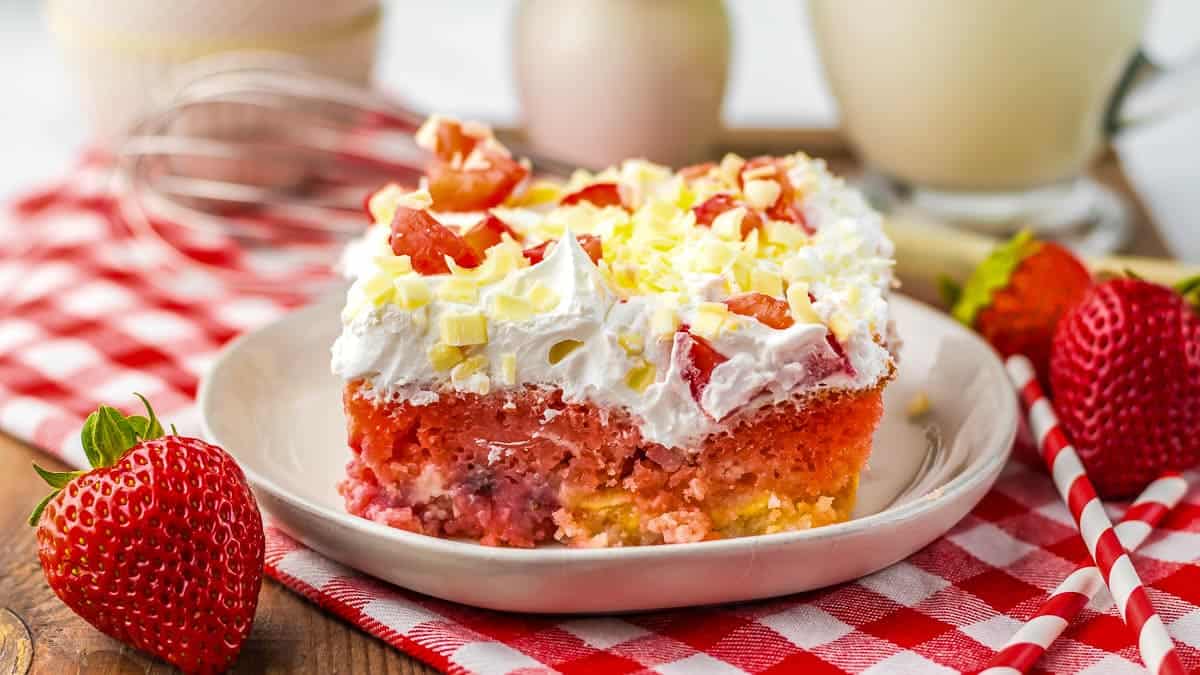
(602,80)
(125,53)
(987,113)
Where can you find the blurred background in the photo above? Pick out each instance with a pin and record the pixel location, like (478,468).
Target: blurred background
(460,62)
(469,58)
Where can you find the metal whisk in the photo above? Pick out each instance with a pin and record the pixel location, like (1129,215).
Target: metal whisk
(262,150)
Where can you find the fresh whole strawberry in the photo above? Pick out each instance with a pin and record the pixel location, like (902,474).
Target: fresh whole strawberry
(1016,296)
(159,546)
(1126,376)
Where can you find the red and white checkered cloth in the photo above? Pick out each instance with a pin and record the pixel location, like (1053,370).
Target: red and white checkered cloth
(91,314)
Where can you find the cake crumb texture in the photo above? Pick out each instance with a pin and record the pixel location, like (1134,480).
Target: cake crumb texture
(497,468)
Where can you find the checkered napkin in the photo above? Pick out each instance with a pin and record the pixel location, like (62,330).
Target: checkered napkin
(92,314)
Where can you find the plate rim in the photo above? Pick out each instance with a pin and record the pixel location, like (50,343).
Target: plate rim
(965,481)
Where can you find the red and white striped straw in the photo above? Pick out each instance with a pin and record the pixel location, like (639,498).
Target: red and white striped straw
(1029,643)
(1133,603)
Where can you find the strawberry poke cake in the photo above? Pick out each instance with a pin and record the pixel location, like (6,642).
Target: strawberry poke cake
(635,356)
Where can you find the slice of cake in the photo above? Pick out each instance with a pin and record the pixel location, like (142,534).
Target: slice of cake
(632,357)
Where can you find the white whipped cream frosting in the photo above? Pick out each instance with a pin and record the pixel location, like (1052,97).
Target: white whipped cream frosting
(846,265)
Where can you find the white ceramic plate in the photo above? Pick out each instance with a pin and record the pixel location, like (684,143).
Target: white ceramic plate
(271,402)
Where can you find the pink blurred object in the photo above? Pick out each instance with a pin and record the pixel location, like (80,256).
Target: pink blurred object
(604,80)
(127,55)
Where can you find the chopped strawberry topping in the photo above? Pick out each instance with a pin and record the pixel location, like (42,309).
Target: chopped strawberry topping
(592,246)
(590,243)
(452,141)
(426,242)
(475,189)
(784,207)
(598,194)
(841,352)
(488,232)
(535,254)
(758,163)
(769,311)
(714,206)
(701,360)
(822,363)
(696,170)
(790,212)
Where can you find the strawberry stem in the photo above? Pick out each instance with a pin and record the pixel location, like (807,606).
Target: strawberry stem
(153,428)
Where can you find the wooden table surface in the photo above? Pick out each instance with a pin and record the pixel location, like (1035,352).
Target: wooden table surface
(290,634)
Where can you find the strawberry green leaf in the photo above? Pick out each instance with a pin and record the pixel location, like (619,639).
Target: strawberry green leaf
(174,431)
(140,425)
(949,289)
(57,479)
(992,275)
(113,435)
(1188,286)
(1190,290)
(37,510)
(154,428)
(87,438)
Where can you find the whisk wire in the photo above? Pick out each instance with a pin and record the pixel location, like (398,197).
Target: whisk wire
(266,153)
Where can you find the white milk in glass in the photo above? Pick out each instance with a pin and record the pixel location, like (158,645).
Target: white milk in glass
(976,95)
